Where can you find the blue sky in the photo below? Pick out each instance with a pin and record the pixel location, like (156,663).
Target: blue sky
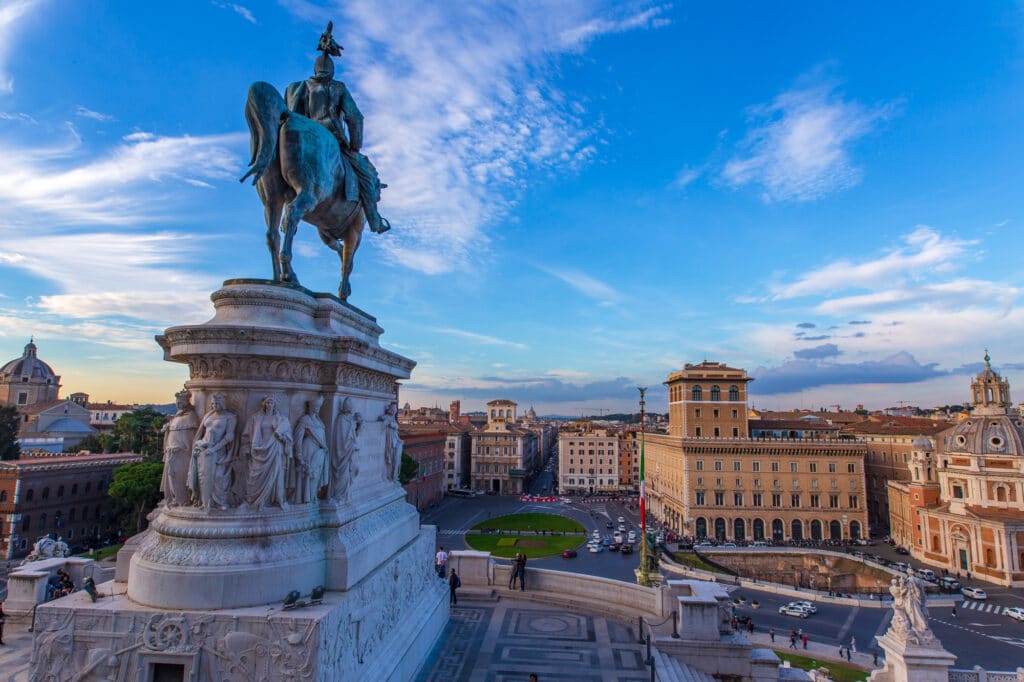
(584,195)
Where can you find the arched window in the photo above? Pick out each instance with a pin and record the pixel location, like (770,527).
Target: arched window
(3,495)
(797,530)
(696,393)
(60,491)
(88,486)
(42,521)
(26,522)
(71,515)
(29,494)
(1001,494)
(716,393)
(734,393)
(57,520)
(46,493)
(74,489)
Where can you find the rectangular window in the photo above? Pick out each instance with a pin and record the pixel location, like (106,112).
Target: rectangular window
(832,484)
(737,499)
(699,499)
(757,482)
(714,413)
(757,499)
(696,413)
(697,432)
(718,483)
(736,465)
(958,492)
(718,465)
(776,500)
(755,466)
(851,468)
(813,467)
(735,414)
(794,500)
(718,432)
(700,465)
(22,398)
(700,480)
(854,502)
(719,499)
(814,483)
(833,501)
(739,483)
(735,432)
(775,483)
(831,467)
(793,468)
(814,501)
(775,466)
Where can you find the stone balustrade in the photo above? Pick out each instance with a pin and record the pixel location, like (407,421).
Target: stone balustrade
(26,586)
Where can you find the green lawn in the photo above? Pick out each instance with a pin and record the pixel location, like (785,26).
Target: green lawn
(694,561)
(533,546)
(101,553)
(838,671)
(532,522)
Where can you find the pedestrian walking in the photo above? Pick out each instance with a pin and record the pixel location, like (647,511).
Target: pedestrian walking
(874,654)
(953,612)
(792,640)
(848,657)
(515,572)
(853,644)
(805,641)
(522,572)
(968,575)
(453,584)
(440,559)
(771,633)
(750,627)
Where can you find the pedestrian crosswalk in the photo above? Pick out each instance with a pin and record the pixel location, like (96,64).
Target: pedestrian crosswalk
(981,607)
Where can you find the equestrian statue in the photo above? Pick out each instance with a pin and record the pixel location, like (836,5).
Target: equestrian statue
(306,165)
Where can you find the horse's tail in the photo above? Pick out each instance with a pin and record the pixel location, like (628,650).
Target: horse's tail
(265,110)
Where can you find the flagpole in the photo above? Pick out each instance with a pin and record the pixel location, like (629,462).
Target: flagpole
(642,576)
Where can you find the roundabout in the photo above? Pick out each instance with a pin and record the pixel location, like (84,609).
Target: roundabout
(533,534)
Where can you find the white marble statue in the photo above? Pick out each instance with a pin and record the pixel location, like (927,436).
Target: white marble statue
(43,548)
(270,448)
(209,472)
(309,471)
(910,615)
(346,447)
(179,433)
(392,442)
(60,548)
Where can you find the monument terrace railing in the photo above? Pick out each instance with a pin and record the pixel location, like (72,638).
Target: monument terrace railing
(979,674)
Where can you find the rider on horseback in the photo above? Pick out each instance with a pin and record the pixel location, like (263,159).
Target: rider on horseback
(329,102)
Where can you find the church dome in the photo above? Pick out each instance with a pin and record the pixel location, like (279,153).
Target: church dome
(28,365)
(999,434)
(923,443)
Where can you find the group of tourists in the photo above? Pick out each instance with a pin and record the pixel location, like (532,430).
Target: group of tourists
(518,571)
(454,583)
(59,585)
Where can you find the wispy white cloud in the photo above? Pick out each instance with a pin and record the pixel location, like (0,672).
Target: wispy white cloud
(117,188)
(240,10)
(586,284)
(685,177)
(798,148)
(923,251)
(463,107)
(479,338)
(18,116)
(10,12)
(86,112)
(949,296)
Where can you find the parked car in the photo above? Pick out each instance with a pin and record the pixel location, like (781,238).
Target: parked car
(614,547)
(973,593)
(569,554)
(627,548)
(609,525)
(1015,612)
(926,574)
(728,545)
(790,610)
(595,549)
(703,543)
(949,584)
(622,519)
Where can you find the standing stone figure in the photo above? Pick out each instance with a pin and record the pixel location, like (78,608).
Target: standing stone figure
(271,447)
(392,442)
(309,472)
(179,433)
(329,102)
(917,612)
(209,472)
(347,445)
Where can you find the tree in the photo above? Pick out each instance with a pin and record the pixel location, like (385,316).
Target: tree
(10,421)
(97,443)
(409,471)
(139,431)
(138,487)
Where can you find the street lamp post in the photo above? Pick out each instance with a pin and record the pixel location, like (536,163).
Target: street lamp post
(642,576)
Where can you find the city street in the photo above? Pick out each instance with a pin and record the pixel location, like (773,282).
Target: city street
(980,635)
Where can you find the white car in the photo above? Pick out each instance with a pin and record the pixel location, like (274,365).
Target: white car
(973,592)
(790,610)
(1015,612)
(621,519)
(595,549)
(805,605)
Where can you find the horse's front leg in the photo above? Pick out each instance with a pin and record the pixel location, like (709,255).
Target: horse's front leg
(353,235)
(297,208)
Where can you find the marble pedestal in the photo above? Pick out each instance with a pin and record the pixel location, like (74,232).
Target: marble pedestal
(907,661)
(207,582)
(382,629)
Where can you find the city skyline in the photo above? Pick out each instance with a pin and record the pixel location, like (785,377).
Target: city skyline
(584,196)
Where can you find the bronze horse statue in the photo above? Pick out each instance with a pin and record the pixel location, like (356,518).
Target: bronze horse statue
(299,171)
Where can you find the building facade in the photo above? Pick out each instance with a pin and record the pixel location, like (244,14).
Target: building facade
(733,487)
(503,453)
(708,400)
(588,461)
(457,457)
(426,445)
(62,496)
(963,507)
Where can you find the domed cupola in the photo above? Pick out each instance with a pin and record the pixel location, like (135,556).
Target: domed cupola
(992,428)
(28,380)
